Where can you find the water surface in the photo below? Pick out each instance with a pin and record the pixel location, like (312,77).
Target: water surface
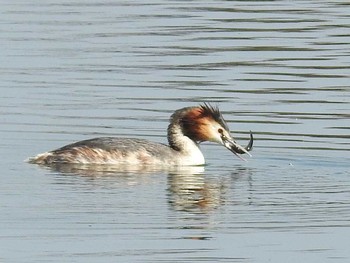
(81,69)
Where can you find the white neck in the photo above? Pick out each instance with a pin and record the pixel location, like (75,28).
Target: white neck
(188,150)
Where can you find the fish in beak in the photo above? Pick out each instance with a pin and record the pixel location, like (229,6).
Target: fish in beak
(237,149)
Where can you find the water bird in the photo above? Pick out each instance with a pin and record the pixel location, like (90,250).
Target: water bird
(188,127)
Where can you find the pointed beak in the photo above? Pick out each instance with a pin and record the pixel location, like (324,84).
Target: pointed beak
(234,147)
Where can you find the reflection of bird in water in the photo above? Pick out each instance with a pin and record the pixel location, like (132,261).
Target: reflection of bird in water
(188,127)
(192,192)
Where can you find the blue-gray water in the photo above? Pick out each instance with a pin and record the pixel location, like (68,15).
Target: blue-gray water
(72,70)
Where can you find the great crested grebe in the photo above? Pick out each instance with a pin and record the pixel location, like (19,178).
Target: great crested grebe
(188,127)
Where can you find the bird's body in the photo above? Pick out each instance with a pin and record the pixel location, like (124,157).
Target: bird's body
(114,151)
(188,127)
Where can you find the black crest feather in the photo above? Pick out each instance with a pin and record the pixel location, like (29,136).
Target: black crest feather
(214,112)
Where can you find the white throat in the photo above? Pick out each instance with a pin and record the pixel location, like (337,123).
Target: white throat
(188,150)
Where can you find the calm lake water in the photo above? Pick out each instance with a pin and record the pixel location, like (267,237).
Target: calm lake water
(72,70)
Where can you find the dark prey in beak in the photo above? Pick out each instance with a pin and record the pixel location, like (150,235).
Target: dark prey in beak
(242,150)
(234,147)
